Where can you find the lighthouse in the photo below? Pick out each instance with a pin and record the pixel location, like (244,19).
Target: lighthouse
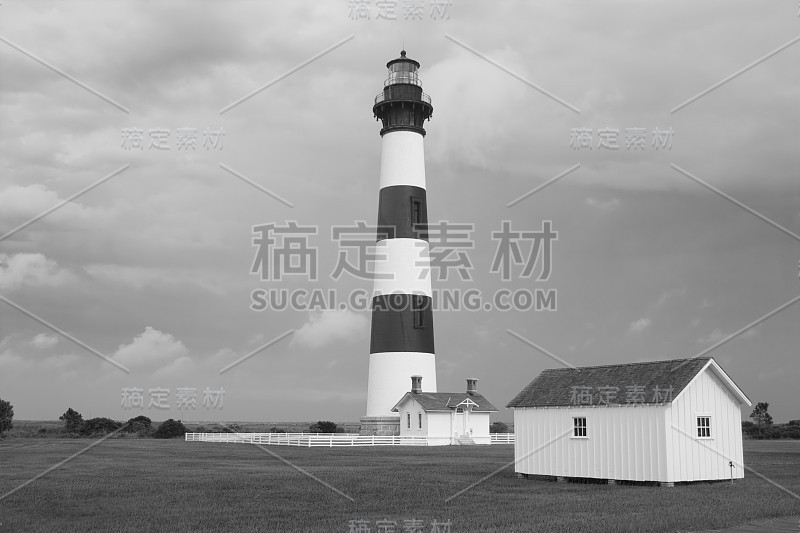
(401,343)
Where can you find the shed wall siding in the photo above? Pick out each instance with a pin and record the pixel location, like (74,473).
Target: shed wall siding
(624,442)
(691,458)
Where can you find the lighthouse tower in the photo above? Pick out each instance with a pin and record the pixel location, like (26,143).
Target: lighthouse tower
(402,320)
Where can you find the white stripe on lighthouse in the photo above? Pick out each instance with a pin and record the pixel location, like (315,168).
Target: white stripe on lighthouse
(403,266)
(385,386)
(402,159)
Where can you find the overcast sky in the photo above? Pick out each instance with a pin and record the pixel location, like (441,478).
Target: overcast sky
(151,268)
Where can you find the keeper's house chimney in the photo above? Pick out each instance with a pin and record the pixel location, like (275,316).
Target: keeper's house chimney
(416,384)
(472,385)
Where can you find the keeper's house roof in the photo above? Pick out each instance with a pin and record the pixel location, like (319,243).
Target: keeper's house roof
(449,401)
(657,382)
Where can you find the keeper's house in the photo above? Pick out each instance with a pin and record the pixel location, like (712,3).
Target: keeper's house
(445,417)
(664,421)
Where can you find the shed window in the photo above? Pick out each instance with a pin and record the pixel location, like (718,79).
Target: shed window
(704,427)
(420,420)
(579,426)
(408,420)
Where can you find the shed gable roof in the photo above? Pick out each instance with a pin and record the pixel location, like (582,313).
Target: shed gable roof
(447,401)
(558,387)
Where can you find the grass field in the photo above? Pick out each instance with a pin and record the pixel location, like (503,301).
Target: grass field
(139,485)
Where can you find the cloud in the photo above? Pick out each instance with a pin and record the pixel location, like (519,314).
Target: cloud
(60,362)
(180,367)
(141,277)
(330,326)
(483,333)
(11,360)
(151,348)
(607,206)
(42,341)
(32,270)
(22,203)
(667,295)
(640,325)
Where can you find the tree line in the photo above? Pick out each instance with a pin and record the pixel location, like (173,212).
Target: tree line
(76,426)
(761,427)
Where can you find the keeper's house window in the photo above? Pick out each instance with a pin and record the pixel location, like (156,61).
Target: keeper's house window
(579,426)
(408,420)
(703,427)
(420,420)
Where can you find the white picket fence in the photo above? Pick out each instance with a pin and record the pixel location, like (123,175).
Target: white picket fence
(324,439)
(502,438)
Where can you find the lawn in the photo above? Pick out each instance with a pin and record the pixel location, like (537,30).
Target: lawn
(127,484)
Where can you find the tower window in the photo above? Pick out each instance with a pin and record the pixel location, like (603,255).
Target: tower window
(416,211)
(418,310)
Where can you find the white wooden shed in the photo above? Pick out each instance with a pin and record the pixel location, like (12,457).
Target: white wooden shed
(664,421)
(445,418)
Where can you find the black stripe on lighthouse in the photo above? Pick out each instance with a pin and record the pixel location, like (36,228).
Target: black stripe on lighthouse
(402,323)
(403,213)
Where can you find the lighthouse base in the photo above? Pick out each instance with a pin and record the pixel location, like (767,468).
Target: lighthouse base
(380,425)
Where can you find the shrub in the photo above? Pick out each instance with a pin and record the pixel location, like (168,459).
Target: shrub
(138,424)
(99,426)
(498,427)
(169,429)
(749,428)
(275,429)
(785,431)
(323,426)
(6,415)
(760,415)
(775,431)
(73,420)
